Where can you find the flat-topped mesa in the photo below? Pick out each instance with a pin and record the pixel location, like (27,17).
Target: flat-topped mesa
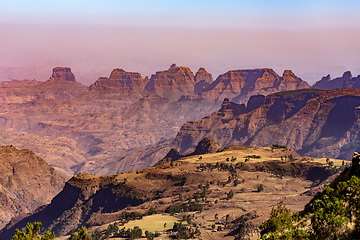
(61,85)
(172,83)
(202,80)
(120,81)
(62,74)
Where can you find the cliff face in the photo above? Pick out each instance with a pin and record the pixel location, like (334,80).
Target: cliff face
(81,196)
(120,81)
(312,122)
(26,183)
(239,85)
(172,83)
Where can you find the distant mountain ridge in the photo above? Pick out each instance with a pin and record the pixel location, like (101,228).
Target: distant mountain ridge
(345,81)
(111,125)
(312,122)
(123,112)
(181,83)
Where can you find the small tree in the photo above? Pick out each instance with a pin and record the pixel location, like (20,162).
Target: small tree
(80,235)
(149,235)
(280,219)
(227,219)
(230,195)
(236,182)
(188,219)
(32,232)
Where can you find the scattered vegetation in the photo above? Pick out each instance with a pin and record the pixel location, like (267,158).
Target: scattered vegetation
(277,146)
(80,235)
(33,232)
(183,232)
(187,207)
(332,214)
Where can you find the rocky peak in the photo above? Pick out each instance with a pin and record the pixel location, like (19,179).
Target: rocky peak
(202,79)
(347,75)
(62,74)
(117,72)
(289,81)
(288,73)
(206,145)
(61,85)
(173,65)
(172,83)
(239,85)
(345,81)
(172,156)
(326,78)
(203,75)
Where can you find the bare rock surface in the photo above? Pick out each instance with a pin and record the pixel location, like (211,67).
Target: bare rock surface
(172,83)
(120,81)
(26,183)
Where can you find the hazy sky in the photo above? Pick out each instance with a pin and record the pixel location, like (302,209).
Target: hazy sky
(313,38)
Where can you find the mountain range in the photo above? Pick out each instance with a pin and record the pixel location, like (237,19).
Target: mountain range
(116,116)
(125,122)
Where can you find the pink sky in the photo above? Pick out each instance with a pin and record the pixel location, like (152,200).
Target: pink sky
(311,39)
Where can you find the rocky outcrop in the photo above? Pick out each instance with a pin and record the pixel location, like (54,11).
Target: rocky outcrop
(62,74)
(291,82)
(239,85)
(352,82)
(345,81)
(205,146)
(312,122)
(61,85)
(172,83)
(26,183)
(171,156)
(202,80)
(120,81)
